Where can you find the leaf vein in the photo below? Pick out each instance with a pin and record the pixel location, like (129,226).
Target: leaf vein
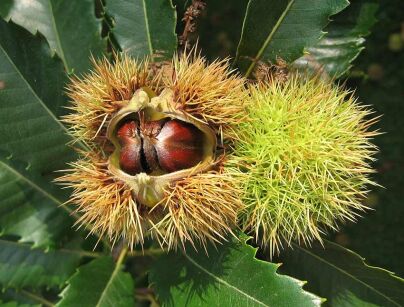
(223,281)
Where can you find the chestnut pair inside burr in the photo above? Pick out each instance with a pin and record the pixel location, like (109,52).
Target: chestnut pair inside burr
(166,145)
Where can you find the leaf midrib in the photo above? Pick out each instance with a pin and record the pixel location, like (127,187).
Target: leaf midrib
(36,187)
(33,92)
(57,38)
(80,253)
(223,281)
(346,273)
(269,38)
(116,270)
(43,105)
(146,19)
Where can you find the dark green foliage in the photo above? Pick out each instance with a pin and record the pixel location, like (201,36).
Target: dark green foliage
(31,136)
(144,28)
(99,283)
(283,31)
(335,272)
(343,41)
(70,27)
(229,276)
(378,76)
(29,212)
(42,42)
(21,266)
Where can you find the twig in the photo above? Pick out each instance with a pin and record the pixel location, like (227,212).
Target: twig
(147,252)
(146,294)
(82,253)
(122,255)
(37,298)
(190,16)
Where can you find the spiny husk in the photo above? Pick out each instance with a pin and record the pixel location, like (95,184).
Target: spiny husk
(106,203)
(208,92)
(212,93)
(194,208)
(199,208)
(101,93)
(303,159)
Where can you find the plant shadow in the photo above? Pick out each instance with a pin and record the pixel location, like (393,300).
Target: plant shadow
(192,276)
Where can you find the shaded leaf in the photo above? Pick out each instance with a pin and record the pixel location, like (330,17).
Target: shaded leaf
(20,266)
(280,28)
(33,141)
(70,27)
(229,276)
(19,298)
(348,299)
(144,28)
(335,272)
(16,304)
(31,97)
(99,283)
(28,211)
(343,42)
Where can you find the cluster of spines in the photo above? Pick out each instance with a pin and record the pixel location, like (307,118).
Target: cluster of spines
(298,164)
(212,93)
(303,157)
(199,209)
(193,208)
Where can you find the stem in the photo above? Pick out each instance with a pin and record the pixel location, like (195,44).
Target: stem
(122,256)
(82,253)
(37,298)
(146,294)
(63,250)
(146,253)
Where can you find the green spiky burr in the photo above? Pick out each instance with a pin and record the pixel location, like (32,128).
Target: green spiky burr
(303,156)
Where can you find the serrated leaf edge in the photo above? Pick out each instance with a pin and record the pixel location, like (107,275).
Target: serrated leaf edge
(346,273)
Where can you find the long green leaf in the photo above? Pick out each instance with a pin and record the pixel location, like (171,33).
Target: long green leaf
(21,298)
(280,28)
(144,27)
(32,140)
(228,276)
(28,211)
(343,42)
(340,275)
(20,266)
(70,27)
(31,97)
(16,304)
(100,283)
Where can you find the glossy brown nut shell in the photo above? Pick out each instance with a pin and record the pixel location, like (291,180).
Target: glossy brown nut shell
(179,146)
(130,158)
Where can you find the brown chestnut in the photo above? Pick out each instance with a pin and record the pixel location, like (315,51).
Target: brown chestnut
(168,145)
(179,146)
(130,156)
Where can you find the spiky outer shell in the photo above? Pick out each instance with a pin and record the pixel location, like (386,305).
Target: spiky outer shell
(302,159)
(201,206)
(292,154)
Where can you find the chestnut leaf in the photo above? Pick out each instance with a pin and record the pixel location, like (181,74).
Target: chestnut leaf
(144,27)
(33,141)
(29,212)
(70,27)
(343,42)
(100,282)
(20,266)
(282,30)
(228,275)
(342,276)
